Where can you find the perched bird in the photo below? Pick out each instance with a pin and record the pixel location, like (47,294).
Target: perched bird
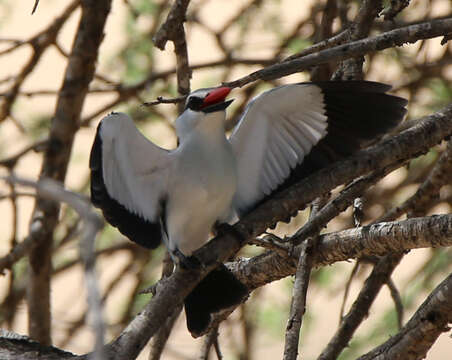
(152,195)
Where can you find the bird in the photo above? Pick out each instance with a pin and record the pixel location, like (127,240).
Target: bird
(179,197)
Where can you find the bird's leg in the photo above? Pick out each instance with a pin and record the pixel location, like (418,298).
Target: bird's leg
(186,262)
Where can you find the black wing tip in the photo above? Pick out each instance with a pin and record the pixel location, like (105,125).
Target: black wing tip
(362,107)
(133,226)
(219,290)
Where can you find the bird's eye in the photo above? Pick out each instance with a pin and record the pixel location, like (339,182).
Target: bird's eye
(194,103)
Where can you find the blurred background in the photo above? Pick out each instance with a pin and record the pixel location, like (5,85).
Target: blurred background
(226,40)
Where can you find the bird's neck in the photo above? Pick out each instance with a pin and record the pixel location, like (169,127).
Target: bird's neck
(209,130)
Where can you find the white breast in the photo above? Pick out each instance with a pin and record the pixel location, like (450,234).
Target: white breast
(201,191)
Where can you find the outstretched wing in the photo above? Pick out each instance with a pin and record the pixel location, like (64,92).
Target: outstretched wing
(129,176)
(291,131)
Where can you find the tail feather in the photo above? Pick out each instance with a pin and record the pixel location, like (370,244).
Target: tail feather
(219,290)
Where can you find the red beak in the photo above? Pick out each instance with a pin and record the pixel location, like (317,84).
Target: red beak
(216,96)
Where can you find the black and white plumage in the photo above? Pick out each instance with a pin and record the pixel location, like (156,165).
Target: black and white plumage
(151,194)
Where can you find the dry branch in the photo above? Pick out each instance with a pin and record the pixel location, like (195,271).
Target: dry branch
(298,304)
(438,177)
(398,37)
(11,161)
(418,335)
(17,347)
(170,30)
(39,43)
(380,275)
(300,288)
(384,239)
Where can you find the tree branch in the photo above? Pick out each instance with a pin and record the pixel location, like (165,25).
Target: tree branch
(18,347)
(380,239)
(300,289)
(397,37)
(79,73)
(54,191)
(380,275)
(422,330)
(39,43)
(438,177)
(170,29)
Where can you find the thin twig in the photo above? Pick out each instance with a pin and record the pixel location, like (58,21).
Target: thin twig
(298,304)
(347,289)
(395,294)
(35,6)
(300,289)
(11,161)
(160,339)
(161,100)
(339,204)
(209,340)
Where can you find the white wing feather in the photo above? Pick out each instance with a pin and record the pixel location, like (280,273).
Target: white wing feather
(135,170)
(276,131)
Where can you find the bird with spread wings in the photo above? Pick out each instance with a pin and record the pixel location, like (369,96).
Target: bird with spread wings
(153,195)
